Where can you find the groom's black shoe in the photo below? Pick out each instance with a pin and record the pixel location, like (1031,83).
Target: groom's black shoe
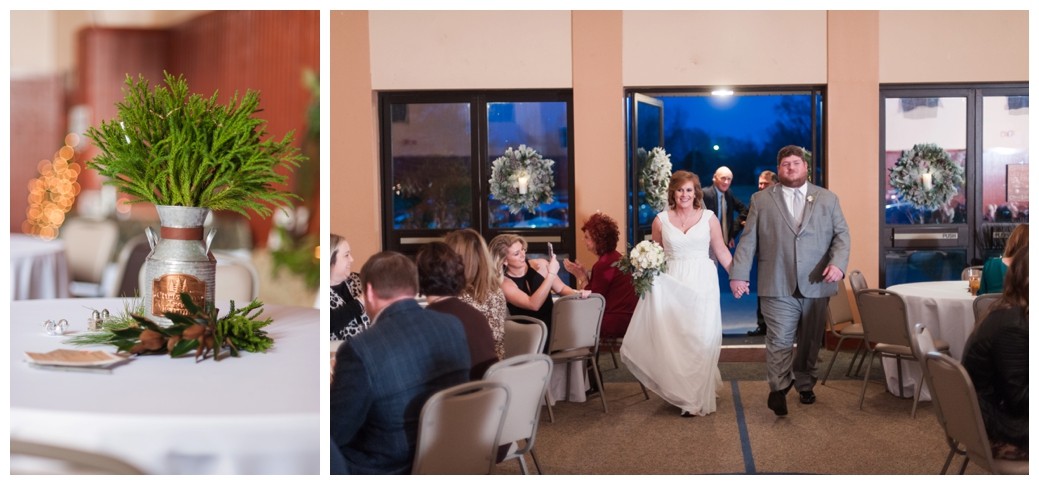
(757,332)
(807,397)
(777,400)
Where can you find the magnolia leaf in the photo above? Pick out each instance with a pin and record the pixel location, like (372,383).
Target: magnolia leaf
(183,346)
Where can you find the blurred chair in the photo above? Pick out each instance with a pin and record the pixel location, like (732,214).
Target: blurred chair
(459,430)
(236,279)
(857,280)
(841,324)
(923,344)
(526,376)
(42,459)
(886,327)
(982,304)
(125,277)
(524,335)
(89,245)
(574,336)
(955,396)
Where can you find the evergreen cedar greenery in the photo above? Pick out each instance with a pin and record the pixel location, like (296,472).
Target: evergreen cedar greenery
(170,147)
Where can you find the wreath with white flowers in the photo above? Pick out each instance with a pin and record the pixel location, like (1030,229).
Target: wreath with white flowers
(926,176)
(655,176)
(522,179)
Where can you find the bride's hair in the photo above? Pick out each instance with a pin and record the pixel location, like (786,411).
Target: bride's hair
(678,179)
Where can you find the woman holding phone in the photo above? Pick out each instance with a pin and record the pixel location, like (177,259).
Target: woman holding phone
(528,284)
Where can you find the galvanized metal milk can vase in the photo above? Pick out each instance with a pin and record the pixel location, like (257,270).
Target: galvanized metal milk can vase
(179,262)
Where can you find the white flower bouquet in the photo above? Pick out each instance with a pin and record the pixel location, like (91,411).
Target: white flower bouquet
(522,179)
(645,261)
(655,176)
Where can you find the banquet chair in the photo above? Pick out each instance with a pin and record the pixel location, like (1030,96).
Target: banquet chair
(459,429)
(43,459)
(842,325)
(89,245)
(125,278)
(524,335)
(955,396)
(923,344)
(982,304)
(575,336)
(527,377)
(236,279)
(886,326)
(857,280)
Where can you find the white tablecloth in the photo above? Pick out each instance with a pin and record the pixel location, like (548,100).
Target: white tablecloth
(947,309)
(39,268)
(255,414)
(578,383)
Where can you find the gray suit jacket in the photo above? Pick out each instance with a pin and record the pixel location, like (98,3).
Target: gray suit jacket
(790,259)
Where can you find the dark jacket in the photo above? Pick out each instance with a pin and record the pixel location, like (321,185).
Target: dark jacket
(382,379)
(735,211)
(996,357)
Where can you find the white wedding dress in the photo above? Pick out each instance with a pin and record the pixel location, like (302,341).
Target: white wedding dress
(675,336)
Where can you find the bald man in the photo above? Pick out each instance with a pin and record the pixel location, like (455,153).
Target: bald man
(729,210)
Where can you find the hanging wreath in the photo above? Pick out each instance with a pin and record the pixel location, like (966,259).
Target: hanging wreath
(655,176)
(521,179)
(926,176)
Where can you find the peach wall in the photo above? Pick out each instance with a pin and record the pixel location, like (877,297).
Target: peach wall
(853,124)
(470,50)
(599,151)
(353,161)
(706,48)
(953,46)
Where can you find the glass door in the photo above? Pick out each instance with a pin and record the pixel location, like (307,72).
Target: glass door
(646,132)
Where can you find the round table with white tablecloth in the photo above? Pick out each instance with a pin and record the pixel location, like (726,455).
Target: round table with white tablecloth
(254,414)
(39,268)
(947,309)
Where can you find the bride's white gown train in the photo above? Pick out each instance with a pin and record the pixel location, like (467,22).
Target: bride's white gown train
(674,339)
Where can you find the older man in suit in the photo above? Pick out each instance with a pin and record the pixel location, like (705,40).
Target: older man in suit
(384,376)
(729,210)
(798,233)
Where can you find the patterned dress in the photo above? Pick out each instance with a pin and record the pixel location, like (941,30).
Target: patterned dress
(495,309)
(348,318)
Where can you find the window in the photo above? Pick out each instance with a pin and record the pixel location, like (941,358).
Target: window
(437,151)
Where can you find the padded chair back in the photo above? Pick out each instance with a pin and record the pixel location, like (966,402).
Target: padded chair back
(524,335)
(459,429)
(884,317)
(858,281)
(59,460)
(955,396)
(89,245)
(131,260)
(526,376)
(982,304)
(839,308)
(576,322)
(236,279)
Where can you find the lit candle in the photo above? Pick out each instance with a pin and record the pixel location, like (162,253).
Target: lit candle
(925,178)
(523,180)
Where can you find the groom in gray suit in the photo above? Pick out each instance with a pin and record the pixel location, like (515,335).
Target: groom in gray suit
(801,240)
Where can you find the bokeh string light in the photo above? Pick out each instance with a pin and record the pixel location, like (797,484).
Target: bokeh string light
(53,193)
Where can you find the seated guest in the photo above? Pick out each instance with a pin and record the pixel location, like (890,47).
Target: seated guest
(384,376)
(347,314)
(996,357)
(995,269)
(441,277)
(482,286)
(528,285)
(600,237)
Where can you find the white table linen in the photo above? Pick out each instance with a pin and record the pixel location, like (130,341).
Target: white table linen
(39,268)
(255,414)
(947,309)
(578,382)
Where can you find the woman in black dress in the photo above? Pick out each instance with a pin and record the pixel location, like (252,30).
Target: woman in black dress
(348,317)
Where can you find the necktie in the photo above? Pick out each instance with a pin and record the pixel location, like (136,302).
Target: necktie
(797,209)
(721,215)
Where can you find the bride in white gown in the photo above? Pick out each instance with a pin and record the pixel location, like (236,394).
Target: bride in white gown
(674,339)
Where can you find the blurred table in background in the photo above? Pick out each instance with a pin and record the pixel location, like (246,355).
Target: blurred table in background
(39,268)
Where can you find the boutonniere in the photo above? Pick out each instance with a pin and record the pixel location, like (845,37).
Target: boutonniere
(810,198)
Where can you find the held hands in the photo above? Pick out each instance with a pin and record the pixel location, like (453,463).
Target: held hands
(832,274)
(739,288)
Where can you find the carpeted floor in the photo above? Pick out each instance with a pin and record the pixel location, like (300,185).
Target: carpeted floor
(831,436)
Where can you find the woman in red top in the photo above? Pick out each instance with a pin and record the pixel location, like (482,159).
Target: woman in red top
(600,237)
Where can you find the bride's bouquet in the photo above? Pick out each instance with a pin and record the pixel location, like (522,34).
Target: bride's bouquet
(645,261)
